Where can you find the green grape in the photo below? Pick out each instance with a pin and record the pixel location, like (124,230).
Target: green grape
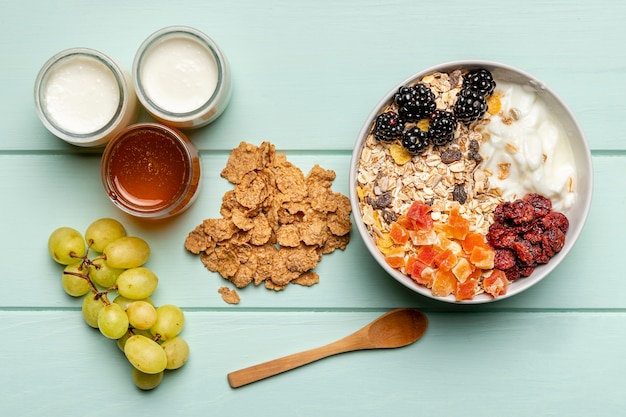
(177,352)
(141,315)
(91,308)
(72,284)
(146,381)
(137,283)
(121,342)
(104,231)
(112,321)
(66,245)
(170,322)
(127,252)
(125,302)
(145,354)
(102,274)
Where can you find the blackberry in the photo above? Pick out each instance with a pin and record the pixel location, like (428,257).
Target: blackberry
(469,106)
(442,127)
(415,102)
(480,80)
(389,126)
(415,140)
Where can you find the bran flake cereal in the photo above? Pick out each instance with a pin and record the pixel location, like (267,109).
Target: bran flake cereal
(276,222)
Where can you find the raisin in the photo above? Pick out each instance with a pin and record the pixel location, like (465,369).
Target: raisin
(504,259)
(379,202)
(473,151)
(389,216)
(451,155)
(459,194)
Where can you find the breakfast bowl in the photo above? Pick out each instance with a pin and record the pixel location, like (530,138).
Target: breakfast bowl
(470,182)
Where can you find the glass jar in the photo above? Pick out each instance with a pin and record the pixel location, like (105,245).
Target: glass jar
(83,97)
(151,171)
(182,78)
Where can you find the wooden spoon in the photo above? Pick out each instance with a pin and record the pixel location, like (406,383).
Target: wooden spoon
(393,329)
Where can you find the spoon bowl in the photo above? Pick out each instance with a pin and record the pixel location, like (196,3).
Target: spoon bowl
(396,328)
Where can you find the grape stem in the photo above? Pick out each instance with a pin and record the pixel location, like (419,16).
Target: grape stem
(86,265)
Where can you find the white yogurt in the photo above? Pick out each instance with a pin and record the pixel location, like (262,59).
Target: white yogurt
(80,95)
(529,152)
(179,75)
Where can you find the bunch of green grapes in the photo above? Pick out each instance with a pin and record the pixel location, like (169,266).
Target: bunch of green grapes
(105,264)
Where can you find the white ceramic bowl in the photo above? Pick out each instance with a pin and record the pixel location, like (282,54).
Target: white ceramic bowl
(577,214)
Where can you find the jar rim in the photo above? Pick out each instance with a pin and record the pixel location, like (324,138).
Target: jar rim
(96,137)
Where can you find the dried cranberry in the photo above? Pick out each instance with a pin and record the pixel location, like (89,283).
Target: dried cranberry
(504,212)
(512,273)
(542,204)
(546,246)
(524,251)
(555,219)
(504,259)
(540,255)
(500,236)
(533,234)
(526,271)
(526,233)
(525,213)
(556,239)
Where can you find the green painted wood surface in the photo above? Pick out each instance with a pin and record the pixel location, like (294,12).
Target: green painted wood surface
(306,74)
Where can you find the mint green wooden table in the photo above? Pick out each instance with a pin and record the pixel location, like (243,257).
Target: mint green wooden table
(306,74)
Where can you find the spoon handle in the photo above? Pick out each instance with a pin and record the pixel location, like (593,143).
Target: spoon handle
(266,369)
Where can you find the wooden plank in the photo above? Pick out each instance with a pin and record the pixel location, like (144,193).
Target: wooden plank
(66,190)
(469,364)
(306,74)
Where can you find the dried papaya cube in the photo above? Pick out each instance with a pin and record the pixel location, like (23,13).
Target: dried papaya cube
(446,260)
(398,233)
(457,227)
(419,213)
(482,258)
(414,267)
(473,239)
(467,289)
(496,283)
(463,269)
(444,283)
(427,254)
(395,257)
(423,237)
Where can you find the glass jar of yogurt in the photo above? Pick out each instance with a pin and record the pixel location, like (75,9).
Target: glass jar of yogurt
(182,77)
(84,97)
